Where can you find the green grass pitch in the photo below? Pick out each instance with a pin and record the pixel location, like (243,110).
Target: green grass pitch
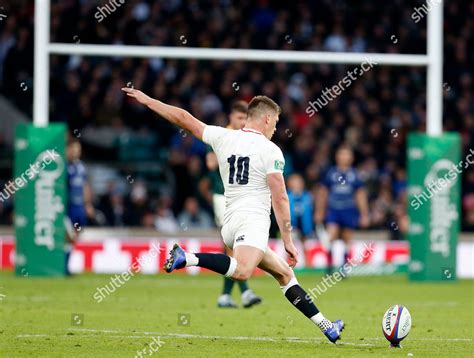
(37,318)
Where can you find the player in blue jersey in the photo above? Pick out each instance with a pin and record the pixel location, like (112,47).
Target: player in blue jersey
(342,202)
(301,206)
(79,204)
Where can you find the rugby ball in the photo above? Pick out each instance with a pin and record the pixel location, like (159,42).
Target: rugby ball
(396,324)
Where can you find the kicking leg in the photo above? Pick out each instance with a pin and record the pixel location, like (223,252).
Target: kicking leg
(279,269)
(219,263)
(240,267)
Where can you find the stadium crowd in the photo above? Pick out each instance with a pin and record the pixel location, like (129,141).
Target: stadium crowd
(373,115)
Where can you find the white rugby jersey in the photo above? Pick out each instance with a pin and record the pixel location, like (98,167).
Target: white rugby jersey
(245,158)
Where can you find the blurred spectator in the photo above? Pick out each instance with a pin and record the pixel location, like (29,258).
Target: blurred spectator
(301,206)
(112,206)
(164,218)
(193,217)
(136,204)
(381,209)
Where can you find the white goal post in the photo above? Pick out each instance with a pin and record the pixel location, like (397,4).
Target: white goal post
(433,60)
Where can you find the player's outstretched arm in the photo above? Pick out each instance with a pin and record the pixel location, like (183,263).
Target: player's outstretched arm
(281,207)
(172,114)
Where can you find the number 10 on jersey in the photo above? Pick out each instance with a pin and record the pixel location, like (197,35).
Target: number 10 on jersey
(242,176)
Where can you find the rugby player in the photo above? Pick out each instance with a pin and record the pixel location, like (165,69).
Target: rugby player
(342,202)
(251,168)
(79,206)
(237,120)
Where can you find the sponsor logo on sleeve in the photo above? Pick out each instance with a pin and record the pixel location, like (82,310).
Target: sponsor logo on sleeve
(279,165)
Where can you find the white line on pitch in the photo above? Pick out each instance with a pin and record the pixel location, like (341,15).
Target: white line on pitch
(70,336)
(32,335)
(271,339)
(196,336)
(428,339)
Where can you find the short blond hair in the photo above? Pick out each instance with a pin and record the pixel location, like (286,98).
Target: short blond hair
(260,105)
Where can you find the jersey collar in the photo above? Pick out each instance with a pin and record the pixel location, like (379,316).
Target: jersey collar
(251,131)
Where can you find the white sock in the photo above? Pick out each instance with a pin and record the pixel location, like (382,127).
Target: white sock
(321,321)
(293,281)
(191,259)
(232,267)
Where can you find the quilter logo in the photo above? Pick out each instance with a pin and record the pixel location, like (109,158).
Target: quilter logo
(443,209)
(47,203)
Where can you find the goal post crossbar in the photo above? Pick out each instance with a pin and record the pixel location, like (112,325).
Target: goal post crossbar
(197,53)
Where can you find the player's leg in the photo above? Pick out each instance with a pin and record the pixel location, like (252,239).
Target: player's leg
(220,263)
(234,232)
(69,240)
(349,222)
(279,269)
(248,258)
(240,267)
(333,232)
(249,298)
(225,298)
(72,224)
(346,235)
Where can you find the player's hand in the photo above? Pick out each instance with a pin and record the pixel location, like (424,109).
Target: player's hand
(138,95)
(364,221)
(292,253)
